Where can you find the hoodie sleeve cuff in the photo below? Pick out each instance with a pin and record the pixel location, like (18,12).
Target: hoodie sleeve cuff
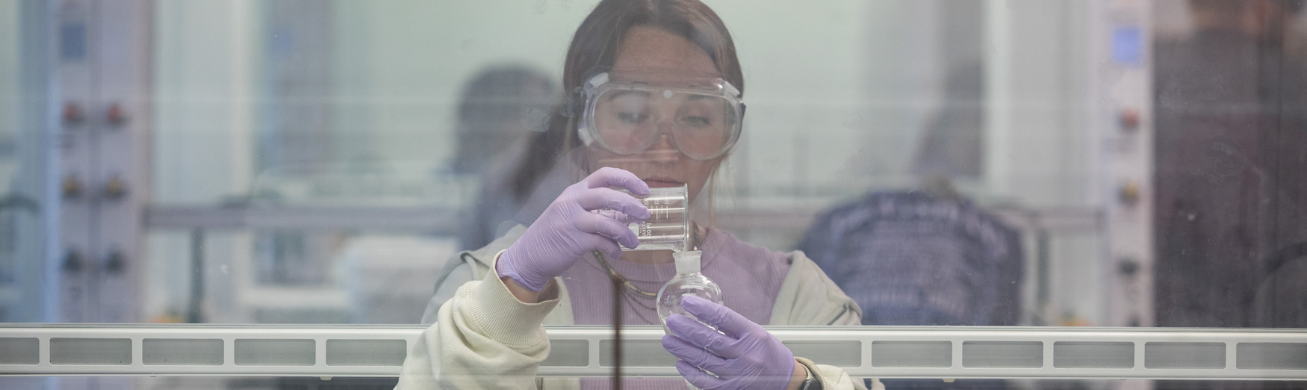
(501,316)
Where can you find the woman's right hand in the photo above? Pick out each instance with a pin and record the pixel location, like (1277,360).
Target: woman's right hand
(568,229)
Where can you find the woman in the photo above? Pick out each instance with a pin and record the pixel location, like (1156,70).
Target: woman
(656,87)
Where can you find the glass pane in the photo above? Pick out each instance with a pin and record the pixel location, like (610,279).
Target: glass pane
(888,162)
(987,114)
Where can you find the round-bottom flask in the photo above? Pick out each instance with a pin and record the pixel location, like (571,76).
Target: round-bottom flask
(688,281)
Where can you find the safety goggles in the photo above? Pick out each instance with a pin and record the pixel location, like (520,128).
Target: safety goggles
(626,112)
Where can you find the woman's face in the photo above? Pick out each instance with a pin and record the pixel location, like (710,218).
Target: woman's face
(662,165)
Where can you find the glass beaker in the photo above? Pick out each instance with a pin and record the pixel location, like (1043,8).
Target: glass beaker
(668,226)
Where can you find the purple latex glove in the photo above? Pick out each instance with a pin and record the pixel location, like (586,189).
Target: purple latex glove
(746,357)
(568,229)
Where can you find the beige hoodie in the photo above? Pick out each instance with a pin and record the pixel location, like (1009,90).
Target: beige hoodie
(484,338)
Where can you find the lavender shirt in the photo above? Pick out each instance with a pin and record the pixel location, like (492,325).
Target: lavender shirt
(750,278)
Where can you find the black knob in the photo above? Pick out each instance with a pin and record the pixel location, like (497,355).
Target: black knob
(115,262)
(72,261)
(1128,266)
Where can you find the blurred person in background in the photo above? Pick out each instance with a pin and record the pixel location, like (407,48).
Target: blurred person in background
(501,107)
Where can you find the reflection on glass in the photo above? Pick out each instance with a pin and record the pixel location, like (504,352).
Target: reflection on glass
(809,148)
(919,132)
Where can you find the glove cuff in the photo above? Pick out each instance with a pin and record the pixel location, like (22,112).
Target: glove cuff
(505,266)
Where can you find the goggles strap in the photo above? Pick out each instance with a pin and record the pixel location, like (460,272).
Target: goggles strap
(574,104)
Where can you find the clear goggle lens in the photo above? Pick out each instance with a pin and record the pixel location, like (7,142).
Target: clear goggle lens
(628,119)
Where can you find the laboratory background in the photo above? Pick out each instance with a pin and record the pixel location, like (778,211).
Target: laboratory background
(1060,163)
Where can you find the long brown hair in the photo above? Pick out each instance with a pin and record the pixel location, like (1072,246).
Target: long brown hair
(594,47)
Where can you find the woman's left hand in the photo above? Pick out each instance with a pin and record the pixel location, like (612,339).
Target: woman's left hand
(746,357)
